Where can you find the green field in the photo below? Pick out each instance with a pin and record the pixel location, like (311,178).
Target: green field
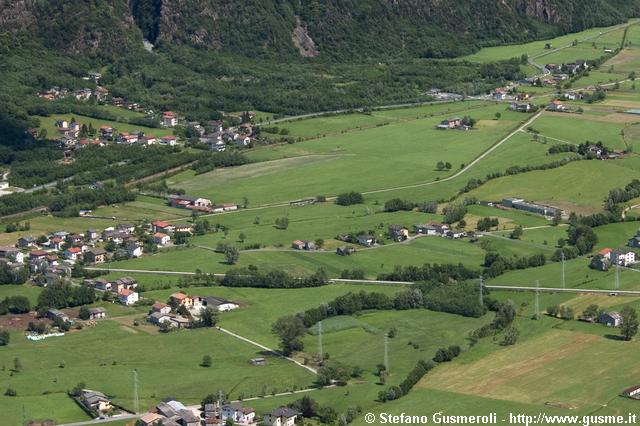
(104,356)
(536,48)
(397,154)
(579,190)
(49,124)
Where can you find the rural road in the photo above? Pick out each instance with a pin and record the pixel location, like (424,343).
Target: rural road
(103,421)
(549,52)
(467,167)
(403,283)
(265,348)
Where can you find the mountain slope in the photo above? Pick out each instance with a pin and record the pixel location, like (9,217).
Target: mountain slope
(348,29)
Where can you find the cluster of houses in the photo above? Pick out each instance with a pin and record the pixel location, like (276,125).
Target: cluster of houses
(564,71)
(199,204)
(123,289)
(520,204)
(58,315)
(170,412)
(557,106)
(452,123)
(70,136)
(168,312)
(218,137)
(608,257)
(53,255)
(397,233)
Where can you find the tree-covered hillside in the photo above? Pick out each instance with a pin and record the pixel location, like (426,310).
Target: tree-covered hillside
(282,56)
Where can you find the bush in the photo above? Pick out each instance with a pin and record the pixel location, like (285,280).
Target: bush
(349,198)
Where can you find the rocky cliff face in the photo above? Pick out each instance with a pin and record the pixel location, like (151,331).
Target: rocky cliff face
(340,29)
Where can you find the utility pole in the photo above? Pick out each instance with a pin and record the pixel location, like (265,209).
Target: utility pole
(136,407)
(386,353)
(481,295)
(536,313)
(320,352)
(562,257)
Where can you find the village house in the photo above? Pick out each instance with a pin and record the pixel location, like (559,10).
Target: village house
(127,138)
(622,257)
(148,140)
(237,413)
(36,255)
(168,140)
(27,241)
(97,313)
(73,253)
(366,240)
(303,245)
(11,254)
(56,273)
(611,319)
(500,94)
(556,105)
(169,119)
(283,416)
(96,255)
(179,321)
(398,232)
(163,227)
(102,284)
(161,239)
(635,240)
(106,132)
(158,318)
(521,107)
(152,419)
(127,297)
(345,251)
(451,123)
(181,299)
(455,234)
(163,308)
(134,249)
(95,401)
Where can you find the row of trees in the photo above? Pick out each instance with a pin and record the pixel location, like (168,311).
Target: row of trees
(349,198)
(252,277)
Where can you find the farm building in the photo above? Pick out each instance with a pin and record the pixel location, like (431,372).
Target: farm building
(611,319)
(520,204)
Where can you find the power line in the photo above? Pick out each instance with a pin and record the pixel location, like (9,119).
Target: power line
(536,313)
(386,353)
(320,352)
(481,295)
(562,257)
(136,403)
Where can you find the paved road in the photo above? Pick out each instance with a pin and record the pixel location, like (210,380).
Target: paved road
(565,290)
(102,421)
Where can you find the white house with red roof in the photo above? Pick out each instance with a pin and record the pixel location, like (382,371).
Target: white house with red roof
(163,227)
(72,253)
(127,297)
(161,239)
(169,119)
(168,140)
